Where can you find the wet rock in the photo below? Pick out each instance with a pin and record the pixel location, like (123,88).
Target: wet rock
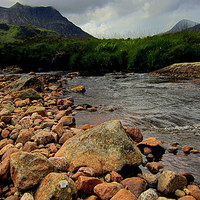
(25,82)
(134,133)
(5,133)
(186,149)
(188,197)
(67,121)
(107,190)
(172,149)
(124,194)
(86,184)
(157,147)
(135,184)
(148,195)
(115,177)
(28,169)
(188,176)
(80,88)
(27,196)
(87,126)
(56,186)
(103,148)
(169,182)
(43,137)
(60,163)
(60,114)
(195,194)
(154,167)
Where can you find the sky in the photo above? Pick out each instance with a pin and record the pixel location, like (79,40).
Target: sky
(121,18)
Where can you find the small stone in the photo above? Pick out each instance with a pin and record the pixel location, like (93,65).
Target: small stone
(135,184)
(116,177)
(87,184)
(43,137)
(60,163)
(79,88)
(179,193)
(169,182)
(56,186)
(65,137)
(13,197)
(172,149)
(134,133)
(27,196)
(188,176)
(154,167)
(186,149)
(124,194)
(148,195)
(67,121)
(107,190)
(188,197)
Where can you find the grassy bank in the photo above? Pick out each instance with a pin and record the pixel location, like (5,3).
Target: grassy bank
(98,56)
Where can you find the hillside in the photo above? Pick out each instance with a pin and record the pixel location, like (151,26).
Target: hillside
(182,25)
(43,17)
(13,33)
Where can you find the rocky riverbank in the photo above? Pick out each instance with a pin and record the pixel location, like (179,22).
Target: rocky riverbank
(180,70)
(44,156)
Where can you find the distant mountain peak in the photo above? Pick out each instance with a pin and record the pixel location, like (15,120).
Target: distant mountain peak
(43,17)
(182,25)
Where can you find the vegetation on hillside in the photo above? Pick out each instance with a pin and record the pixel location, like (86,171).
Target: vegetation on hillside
(99,56)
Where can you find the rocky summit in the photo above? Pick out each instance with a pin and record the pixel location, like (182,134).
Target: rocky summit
(105,148)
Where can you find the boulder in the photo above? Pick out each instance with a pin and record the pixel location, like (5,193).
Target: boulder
(59,163)
(28,169)
(136,185)
(86,184)
(169,182)
(154,167)
(103,148)
(25,82)
(124,194)
(67,121)
(56,186)
(148,195)
(107,190)
(43,137)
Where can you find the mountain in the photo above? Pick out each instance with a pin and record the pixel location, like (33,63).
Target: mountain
(195,28)
(12,33)
(182,25)
(43,17)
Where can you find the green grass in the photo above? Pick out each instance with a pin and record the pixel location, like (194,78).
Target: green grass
(99,56)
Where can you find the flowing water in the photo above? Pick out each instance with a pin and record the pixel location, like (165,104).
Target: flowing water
(165,109)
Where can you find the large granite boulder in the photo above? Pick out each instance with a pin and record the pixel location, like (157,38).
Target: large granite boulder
(104,148)
(25,82)
(56,186)
(28,169)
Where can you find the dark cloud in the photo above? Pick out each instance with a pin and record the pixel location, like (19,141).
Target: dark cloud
(121,17)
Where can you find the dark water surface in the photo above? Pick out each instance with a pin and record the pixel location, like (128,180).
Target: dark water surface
(165,109)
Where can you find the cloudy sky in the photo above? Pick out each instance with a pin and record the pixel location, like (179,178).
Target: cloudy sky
(121,18)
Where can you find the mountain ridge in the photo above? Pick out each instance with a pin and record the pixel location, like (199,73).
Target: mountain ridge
(43,17)
(182,25)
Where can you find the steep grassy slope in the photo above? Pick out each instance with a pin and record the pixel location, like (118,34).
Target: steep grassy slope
(12,33)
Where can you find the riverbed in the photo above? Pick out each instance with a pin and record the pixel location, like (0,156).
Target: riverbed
(166,109)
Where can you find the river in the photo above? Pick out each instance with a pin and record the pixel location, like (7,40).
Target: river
(166,109)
